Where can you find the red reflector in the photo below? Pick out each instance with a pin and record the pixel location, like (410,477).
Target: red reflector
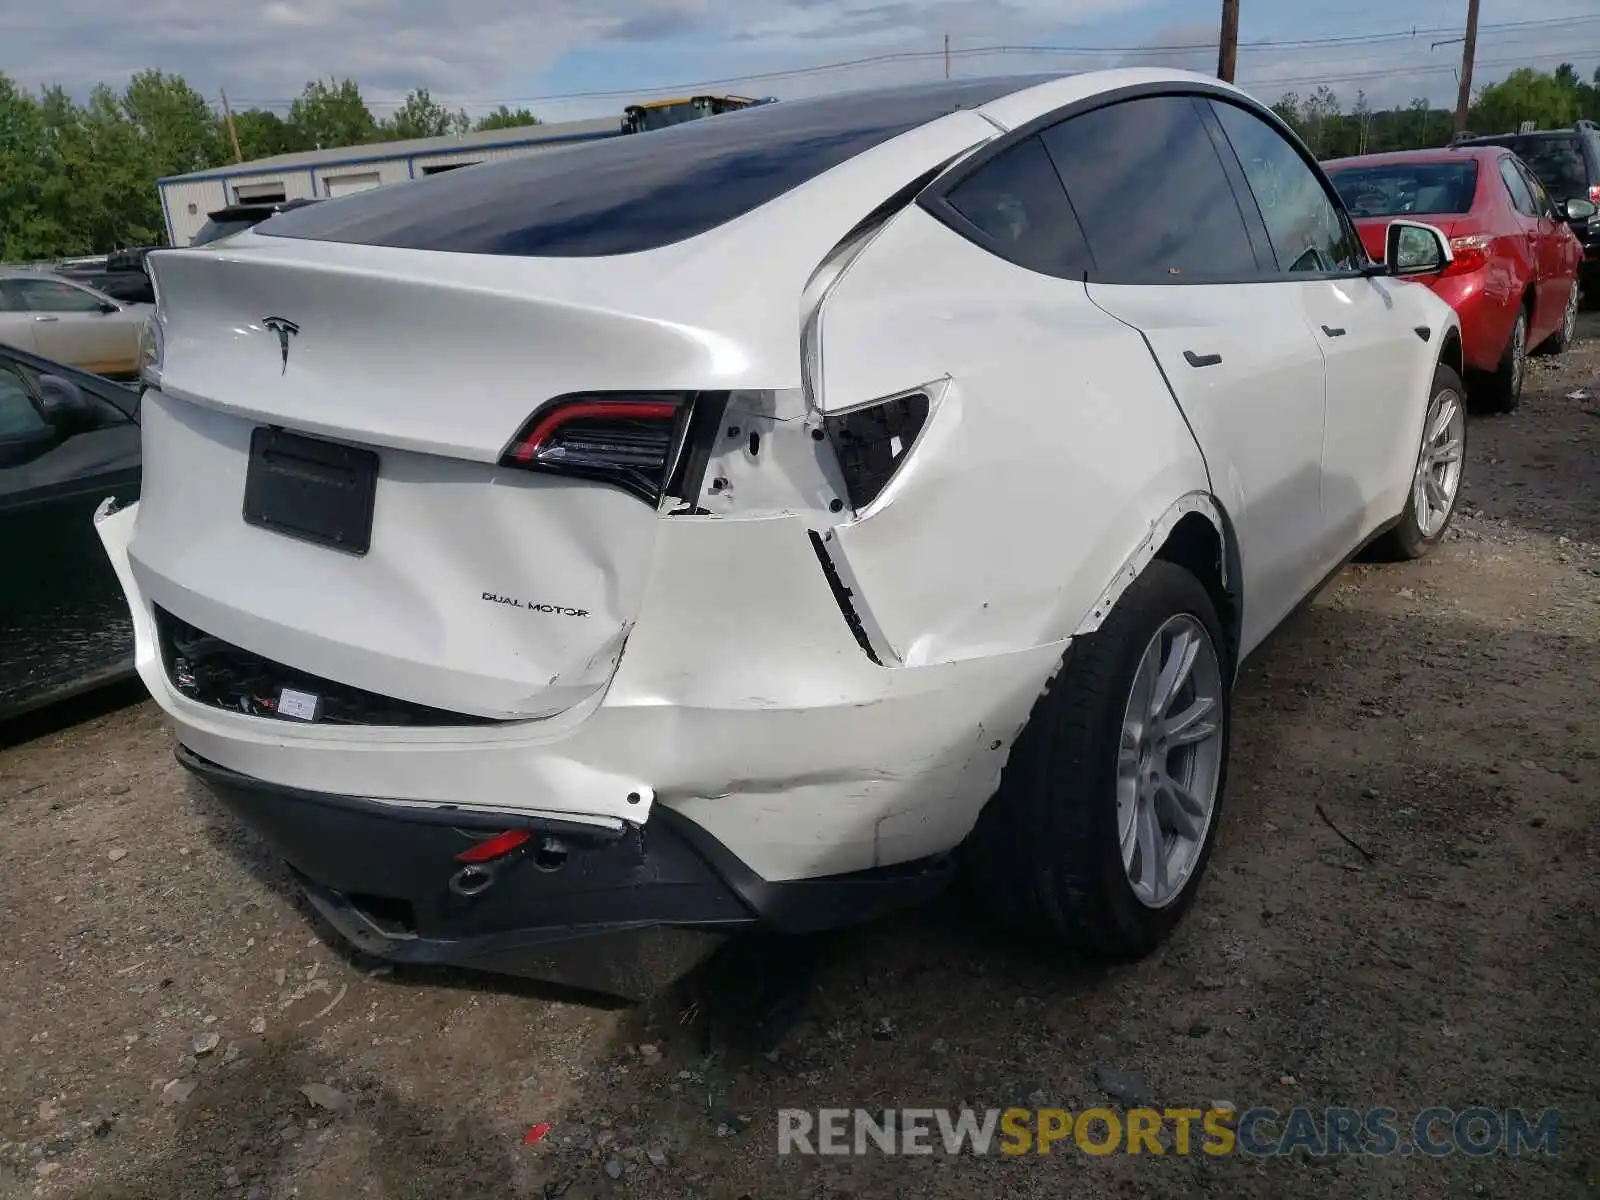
(499,845)
(662,410)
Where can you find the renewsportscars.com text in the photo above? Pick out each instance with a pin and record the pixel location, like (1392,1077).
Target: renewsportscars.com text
(1256,1132)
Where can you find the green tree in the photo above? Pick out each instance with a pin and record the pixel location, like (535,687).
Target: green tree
(1288,110)
(1419,123)
(1525,95)
(263,133)
(30,225)
(1318,115)
(505,118)
(173,122)
(332,114)
(1362,112)
(420,116)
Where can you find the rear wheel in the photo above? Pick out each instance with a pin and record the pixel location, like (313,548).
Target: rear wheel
(1501,391)
(1108,808)
(1558,341)
(1436,479)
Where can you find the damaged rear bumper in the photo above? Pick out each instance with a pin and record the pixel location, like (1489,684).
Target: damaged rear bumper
(775,733)
(622,911)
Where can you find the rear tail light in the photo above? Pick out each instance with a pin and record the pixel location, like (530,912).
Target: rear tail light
(629,440)
(871,443)
(1469,252)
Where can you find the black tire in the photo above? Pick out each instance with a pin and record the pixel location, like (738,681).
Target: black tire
(1407,540)
(1567,331)
(1501,390)
(1044,857)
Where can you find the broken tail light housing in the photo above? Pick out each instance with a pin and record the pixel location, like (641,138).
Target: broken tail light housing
(629,440)
(1468,253)
(872,441)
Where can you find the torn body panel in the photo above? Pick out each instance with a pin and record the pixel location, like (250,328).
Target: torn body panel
(947,559)
(1195,502)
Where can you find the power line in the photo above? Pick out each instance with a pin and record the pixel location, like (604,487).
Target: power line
(1440,69)
(1005,50)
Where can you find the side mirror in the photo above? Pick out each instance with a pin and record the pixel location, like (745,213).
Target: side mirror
(107,307)
(65,406)
(1412,248)
(1578,209)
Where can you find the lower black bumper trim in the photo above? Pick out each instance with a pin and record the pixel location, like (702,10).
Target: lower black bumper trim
(622,911)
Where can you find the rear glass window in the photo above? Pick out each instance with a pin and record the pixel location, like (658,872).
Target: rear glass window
(636,192)
(1556,160)
(1017,202)
(1397,189)
(213,231)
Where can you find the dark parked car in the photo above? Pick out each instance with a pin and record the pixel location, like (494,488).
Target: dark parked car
(68,440)
(120,275)
(1567,162)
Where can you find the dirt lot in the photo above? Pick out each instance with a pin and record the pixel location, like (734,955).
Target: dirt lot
(165,999)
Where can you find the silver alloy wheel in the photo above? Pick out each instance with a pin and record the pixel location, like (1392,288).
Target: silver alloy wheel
(1169,762)
(1569,319)
(1438,476)
(1519,352)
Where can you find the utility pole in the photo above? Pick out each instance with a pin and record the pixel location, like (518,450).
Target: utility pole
(947,56)
(1469,47)
(1228,43)
(233,133)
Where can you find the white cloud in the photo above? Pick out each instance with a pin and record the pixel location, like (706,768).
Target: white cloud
(479,52)
(471,51)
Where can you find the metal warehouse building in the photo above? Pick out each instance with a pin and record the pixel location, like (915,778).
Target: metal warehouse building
(186,199)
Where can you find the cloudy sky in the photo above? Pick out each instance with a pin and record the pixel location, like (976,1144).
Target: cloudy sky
(576,58)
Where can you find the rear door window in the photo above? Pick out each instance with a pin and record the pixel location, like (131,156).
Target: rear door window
(1541,198)
(19,416)
(1018,208)
(1521,197)
(1150,193)
(51,296)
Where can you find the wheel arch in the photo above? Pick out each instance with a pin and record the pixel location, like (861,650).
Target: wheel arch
(1451,352)
(1194,533)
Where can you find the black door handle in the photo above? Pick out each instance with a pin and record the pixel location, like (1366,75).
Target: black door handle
(1201,360)
(1332,331)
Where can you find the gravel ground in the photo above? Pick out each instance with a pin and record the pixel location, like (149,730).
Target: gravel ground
(172,1026)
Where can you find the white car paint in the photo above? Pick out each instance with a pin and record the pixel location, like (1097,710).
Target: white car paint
(716,675)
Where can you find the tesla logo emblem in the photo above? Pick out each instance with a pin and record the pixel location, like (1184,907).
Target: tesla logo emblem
(285,330)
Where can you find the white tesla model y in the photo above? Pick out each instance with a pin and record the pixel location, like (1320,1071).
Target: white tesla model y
(567,562)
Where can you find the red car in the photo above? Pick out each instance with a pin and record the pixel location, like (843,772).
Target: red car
(1514,281)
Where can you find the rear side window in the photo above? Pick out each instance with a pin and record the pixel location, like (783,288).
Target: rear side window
(1150,192)
(639,192)
(1541,198)
(1016,202)
(1521,197)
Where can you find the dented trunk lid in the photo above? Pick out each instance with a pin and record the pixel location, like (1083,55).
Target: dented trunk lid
(484,590)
